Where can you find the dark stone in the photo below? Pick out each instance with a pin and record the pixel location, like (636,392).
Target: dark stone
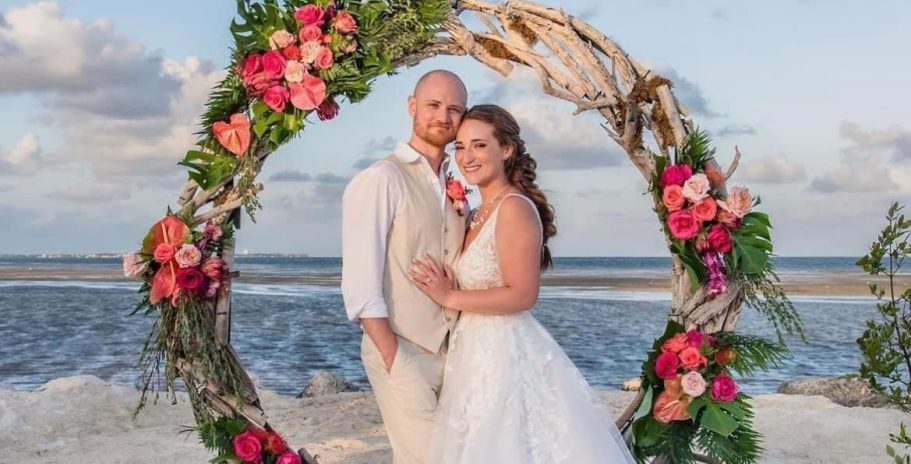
(327,383)
(848,390)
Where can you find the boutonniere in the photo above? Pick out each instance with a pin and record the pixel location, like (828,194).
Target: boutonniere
(457,193)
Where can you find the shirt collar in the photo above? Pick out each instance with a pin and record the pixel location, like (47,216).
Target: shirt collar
(406,154)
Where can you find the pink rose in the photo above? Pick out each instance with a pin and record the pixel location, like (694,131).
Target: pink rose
(277,98)
(694,338)
(727,219)
(309,15)
(693,384)
(672,197)
(164,252)
(675,344)
(683,224)
(274,65)
(705,210)
(281,39)
(719,238)
(666,365)
(344,22)
(289,457)
(310,34)
(309,51)
(188,256)
(247,447)
(295,71)
(292,52)
(253,64)
(691,358)
(324,58)
(327,110)
(696,188)
(213,268)
(702,245)
(134,266)
(191,279)
(723,388)
(309,93)
(675,174)
(738,202)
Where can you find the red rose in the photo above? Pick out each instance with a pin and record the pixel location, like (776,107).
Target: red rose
(292,52)
(327,110)
(190,278)
(694,338)
(277,97)
(682,224)
(247,447)
(723,388)
(275,443)
(289,457)
(455,190)
(309,15)
(719,238)
(253,64)
(666,365)
(257,84)
(675,174)
(675,344)
(274,65)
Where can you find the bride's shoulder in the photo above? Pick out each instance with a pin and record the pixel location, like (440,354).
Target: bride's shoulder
(517,211)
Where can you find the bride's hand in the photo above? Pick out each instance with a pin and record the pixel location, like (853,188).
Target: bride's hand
(427,276)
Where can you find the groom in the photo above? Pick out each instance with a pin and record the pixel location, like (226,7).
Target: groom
(394,211)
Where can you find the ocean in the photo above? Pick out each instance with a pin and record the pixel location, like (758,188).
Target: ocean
(289,321)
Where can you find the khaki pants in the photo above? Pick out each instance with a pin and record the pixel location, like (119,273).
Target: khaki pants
(407,396)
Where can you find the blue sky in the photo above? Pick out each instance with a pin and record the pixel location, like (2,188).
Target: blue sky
(100,97)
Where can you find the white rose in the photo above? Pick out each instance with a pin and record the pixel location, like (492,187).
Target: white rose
(309,51)
(693,384)
(294,71)
(281,39)
(696,188)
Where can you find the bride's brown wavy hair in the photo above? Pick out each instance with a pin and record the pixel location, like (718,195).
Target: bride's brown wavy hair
(520,167)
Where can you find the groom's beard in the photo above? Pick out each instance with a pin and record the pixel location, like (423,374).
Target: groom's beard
(435,134)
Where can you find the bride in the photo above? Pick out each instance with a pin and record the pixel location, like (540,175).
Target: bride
(510,394)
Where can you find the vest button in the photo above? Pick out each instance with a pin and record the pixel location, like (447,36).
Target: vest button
(445,252)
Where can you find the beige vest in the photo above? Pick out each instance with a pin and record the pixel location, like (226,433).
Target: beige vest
(419,227)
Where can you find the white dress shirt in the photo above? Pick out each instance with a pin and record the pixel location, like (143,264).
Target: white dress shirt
(369,206)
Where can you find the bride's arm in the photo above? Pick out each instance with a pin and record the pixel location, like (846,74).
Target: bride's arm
(518,244)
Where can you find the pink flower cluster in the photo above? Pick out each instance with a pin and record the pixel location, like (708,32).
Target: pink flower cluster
(182,267)
(685,365)
(252,445)
(288,72)
(695,215)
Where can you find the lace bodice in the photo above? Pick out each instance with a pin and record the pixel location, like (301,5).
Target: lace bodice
(479,266)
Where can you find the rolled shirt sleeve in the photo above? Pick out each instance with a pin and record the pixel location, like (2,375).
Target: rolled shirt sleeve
(369,205)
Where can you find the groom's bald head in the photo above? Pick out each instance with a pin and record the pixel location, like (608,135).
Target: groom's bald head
(441,78)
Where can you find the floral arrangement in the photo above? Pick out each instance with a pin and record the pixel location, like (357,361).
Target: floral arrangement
(716,232)
(237,442)
(691,395)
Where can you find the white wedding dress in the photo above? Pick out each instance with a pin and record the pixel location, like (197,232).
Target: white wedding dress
(510,394)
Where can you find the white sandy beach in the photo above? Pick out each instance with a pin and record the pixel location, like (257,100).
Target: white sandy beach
(86,420)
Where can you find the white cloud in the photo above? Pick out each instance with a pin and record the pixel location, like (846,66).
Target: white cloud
(23,158)
(736,129)
(775,169)
(869,162)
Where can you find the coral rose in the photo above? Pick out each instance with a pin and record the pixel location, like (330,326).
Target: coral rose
(673,198)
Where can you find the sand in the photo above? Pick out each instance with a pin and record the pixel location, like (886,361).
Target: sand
(86,420)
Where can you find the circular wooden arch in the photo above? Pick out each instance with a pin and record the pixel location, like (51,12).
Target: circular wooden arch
(575,63)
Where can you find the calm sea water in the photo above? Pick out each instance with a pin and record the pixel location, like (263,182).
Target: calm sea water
(286,332)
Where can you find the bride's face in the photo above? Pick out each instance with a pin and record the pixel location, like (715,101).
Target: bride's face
(478,153)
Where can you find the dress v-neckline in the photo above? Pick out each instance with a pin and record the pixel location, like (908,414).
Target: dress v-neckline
(495,212)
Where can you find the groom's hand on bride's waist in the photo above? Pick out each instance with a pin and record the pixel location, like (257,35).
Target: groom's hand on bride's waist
(380,332)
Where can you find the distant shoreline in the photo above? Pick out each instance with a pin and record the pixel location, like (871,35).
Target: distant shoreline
(796,284)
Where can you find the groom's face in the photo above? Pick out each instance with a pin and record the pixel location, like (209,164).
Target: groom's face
(437,107)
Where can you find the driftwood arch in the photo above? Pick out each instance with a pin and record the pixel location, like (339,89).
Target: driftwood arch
(575,63)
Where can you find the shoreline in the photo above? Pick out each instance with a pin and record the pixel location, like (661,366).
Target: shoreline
(831,284)
(84,419)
